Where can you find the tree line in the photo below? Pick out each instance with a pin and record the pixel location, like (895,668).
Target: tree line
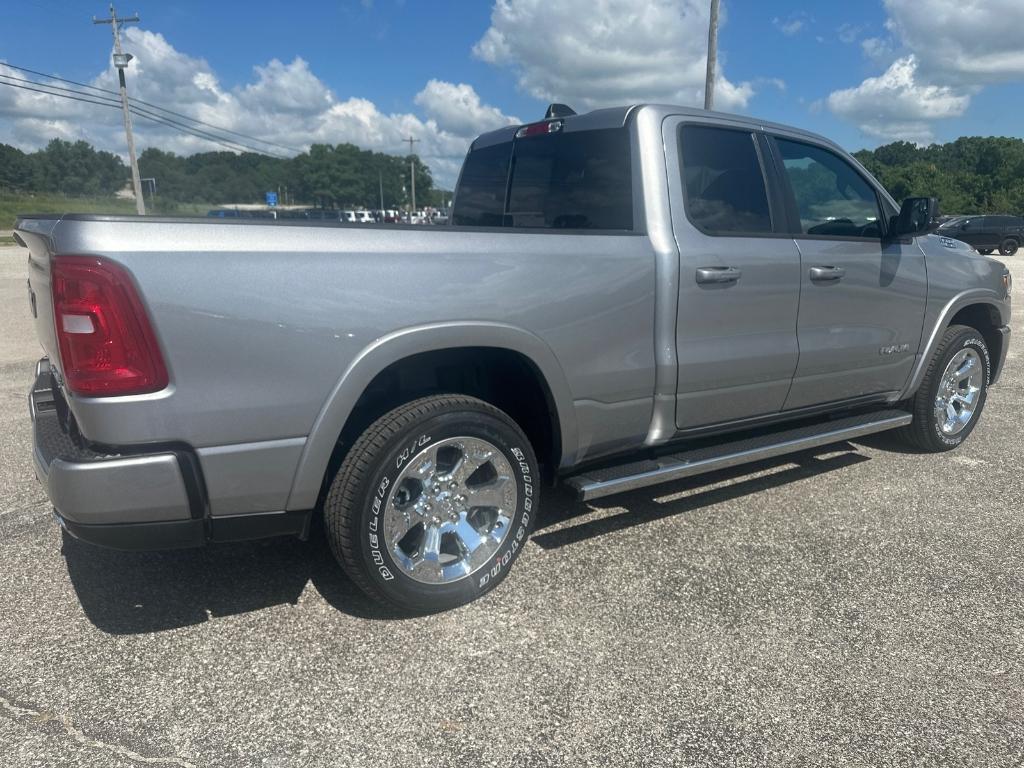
(970,175)
(338,176)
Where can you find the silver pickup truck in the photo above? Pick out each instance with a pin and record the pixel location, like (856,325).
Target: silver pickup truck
(622,298)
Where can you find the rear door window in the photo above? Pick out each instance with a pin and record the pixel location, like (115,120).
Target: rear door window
(724,184)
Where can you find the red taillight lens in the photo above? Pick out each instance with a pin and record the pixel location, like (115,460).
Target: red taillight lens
(107,346)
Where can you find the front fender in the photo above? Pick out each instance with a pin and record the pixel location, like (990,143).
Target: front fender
(404,343)
(938,328)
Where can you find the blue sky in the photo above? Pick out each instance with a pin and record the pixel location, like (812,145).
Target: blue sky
(369,72)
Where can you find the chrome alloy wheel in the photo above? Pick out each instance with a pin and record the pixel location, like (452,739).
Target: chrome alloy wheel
(959,392)
(450,509)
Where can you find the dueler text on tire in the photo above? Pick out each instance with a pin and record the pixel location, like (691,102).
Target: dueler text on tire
(952,394)
(433,503)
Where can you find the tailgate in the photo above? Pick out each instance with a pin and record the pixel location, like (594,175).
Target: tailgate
(34,232)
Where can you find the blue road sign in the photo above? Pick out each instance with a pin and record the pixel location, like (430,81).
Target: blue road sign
(271,199)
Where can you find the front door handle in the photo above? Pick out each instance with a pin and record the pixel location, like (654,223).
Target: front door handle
(718,274)
(827,274)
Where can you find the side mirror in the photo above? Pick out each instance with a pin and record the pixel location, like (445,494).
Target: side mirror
(917,216)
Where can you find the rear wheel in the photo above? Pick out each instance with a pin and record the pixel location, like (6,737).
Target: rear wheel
(433,503)
(984,251)
(1009,246)
(952,394)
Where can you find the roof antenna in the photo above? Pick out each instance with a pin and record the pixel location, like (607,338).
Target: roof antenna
(558,110)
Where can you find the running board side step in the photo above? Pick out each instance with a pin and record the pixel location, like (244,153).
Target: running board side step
(593,484)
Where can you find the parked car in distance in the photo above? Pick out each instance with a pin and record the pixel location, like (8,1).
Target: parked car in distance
(364,217)
(323,214)
(623,298)
(987,233)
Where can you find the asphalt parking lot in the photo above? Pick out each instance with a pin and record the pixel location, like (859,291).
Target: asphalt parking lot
(858,606)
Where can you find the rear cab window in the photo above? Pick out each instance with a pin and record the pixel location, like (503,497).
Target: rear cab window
(574,180)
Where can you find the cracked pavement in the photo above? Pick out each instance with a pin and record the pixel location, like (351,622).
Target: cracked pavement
(858,606)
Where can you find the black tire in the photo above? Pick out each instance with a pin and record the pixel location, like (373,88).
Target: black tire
(985,251)
(924,432)
(1009,246)
(373,464)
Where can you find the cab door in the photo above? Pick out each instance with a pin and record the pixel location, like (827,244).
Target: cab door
(862,294)
(739,274)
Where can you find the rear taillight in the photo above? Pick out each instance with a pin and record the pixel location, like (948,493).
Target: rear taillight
(107,346)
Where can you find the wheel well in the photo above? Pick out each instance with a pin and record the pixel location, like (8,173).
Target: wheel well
(984,318)
(501,377)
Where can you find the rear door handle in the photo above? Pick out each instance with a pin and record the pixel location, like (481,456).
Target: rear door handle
(827,274)
(718,274)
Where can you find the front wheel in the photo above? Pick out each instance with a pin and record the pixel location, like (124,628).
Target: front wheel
(952,394)
(985,251)
(1009,246)
(433,503)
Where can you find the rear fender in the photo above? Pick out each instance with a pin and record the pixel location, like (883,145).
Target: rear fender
(404,343)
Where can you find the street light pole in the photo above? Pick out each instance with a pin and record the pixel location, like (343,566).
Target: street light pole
(121,60)
(412,174)
(709,77)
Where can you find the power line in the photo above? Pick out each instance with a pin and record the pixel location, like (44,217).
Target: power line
(225,142)
(59,88)
(218,127)
(54,77)
(144,114)
(61,95)
(153,106)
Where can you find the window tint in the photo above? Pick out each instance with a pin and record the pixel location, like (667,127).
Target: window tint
(831,197)
(722,176)
(574,180)
(480,198)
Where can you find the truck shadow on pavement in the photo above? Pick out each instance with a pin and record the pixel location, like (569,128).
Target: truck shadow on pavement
(140,592)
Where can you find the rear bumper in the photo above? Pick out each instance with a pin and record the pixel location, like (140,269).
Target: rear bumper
(142,497)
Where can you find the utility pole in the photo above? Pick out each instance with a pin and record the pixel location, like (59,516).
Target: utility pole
(412,174)
(121,60)
(709,78)
(380,183)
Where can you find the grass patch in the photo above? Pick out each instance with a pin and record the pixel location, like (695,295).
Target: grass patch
(11,206)
(7,240)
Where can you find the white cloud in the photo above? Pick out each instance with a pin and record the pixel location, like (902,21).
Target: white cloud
(848,33)
(458,109)
(876,49)
(589,53)
(790,27)
(946,50)
(964,42)
(896,105)
(285,103)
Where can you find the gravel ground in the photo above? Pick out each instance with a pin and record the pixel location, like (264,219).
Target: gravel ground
(859,606)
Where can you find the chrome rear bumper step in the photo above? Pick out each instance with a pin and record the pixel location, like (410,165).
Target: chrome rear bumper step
(593,484)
